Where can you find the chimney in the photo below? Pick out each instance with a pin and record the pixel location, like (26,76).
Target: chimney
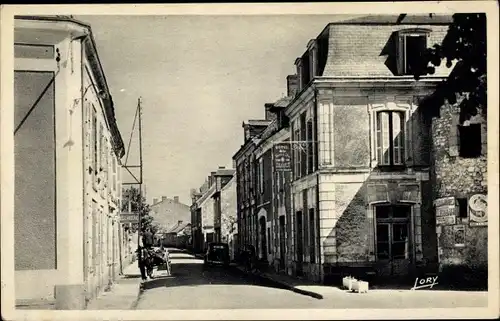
(269,114)
(155,200)
(179,222)
(292,84)
(176,199)
(163,198)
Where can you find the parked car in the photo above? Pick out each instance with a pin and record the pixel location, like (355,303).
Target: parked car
(217,254)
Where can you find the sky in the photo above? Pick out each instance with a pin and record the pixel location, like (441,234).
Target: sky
(199,78)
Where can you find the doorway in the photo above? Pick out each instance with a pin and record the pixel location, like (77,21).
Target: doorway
(393,240)
(300,243)
(282,241)
(263,240)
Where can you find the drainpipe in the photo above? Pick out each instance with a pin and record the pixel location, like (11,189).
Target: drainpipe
(316,150)
(84,169)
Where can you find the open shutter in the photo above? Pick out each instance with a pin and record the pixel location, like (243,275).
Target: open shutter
(400,41)
(454,136)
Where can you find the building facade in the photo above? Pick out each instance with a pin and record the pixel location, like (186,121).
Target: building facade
(67,165)
(246,190)
(167,212)
(361,189)
(367,161)
(224,203)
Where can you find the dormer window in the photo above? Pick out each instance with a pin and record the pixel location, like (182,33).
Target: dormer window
(412,44)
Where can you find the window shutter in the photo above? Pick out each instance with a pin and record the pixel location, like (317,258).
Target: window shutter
(484,139)
(400,43)
(454,136)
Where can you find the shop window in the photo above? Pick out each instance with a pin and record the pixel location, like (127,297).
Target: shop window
(469,140)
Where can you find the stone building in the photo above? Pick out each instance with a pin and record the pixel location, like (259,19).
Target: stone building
(246,190)
(168,212)
(459,180)
(224,203)
(67,149)
(361,194)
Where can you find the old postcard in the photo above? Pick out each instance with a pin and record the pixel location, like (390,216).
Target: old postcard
(250,161)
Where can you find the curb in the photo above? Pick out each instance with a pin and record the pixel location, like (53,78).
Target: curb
(285,285)
(133,305)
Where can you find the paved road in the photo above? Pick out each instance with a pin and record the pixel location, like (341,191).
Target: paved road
(192,287)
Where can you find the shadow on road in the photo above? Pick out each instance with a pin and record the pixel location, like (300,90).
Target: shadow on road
(189,271)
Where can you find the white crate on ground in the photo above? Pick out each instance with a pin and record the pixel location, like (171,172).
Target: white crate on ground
(347,282)
(360,286)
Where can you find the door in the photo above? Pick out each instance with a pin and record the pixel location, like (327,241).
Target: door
(282,242)
(393,241)
(300,243)
(263,247)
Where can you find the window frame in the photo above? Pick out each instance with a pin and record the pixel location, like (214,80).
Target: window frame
(405,109)
(403,69)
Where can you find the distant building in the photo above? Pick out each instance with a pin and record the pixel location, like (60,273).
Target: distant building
(244,160)
(178,235)
(68,235)
(224,202)
(168,212)
(212,207)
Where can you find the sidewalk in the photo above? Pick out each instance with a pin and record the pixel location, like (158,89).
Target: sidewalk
(377,297)
(124,292)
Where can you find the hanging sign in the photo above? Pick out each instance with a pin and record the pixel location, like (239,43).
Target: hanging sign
(282,157)
(478,210)
(129,218)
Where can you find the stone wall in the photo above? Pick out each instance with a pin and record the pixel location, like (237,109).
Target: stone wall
(228,209)
(457,177)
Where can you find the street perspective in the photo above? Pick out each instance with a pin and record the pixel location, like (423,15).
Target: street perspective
(204,162)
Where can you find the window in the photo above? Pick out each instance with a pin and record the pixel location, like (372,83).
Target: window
(412,45)
(303,150)
(469,140)
(390,138)
(296,154)
(392,232)
(462,208)
(269,240)
(310,147)
(261,176)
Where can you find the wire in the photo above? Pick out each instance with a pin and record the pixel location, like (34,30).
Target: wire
(131,133)
(35,103)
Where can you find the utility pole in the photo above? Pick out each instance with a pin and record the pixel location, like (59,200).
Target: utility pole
(139,107)
(136,181)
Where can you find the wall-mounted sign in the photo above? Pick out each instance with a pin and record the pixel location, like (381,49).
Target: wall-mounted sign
(282,157)
(459,235)
(478,210)
(446,220)
(129,217)
(446,210)
(444,201)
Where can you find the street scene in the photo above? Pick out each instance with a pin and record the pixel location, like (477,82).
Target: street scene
(182,162)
